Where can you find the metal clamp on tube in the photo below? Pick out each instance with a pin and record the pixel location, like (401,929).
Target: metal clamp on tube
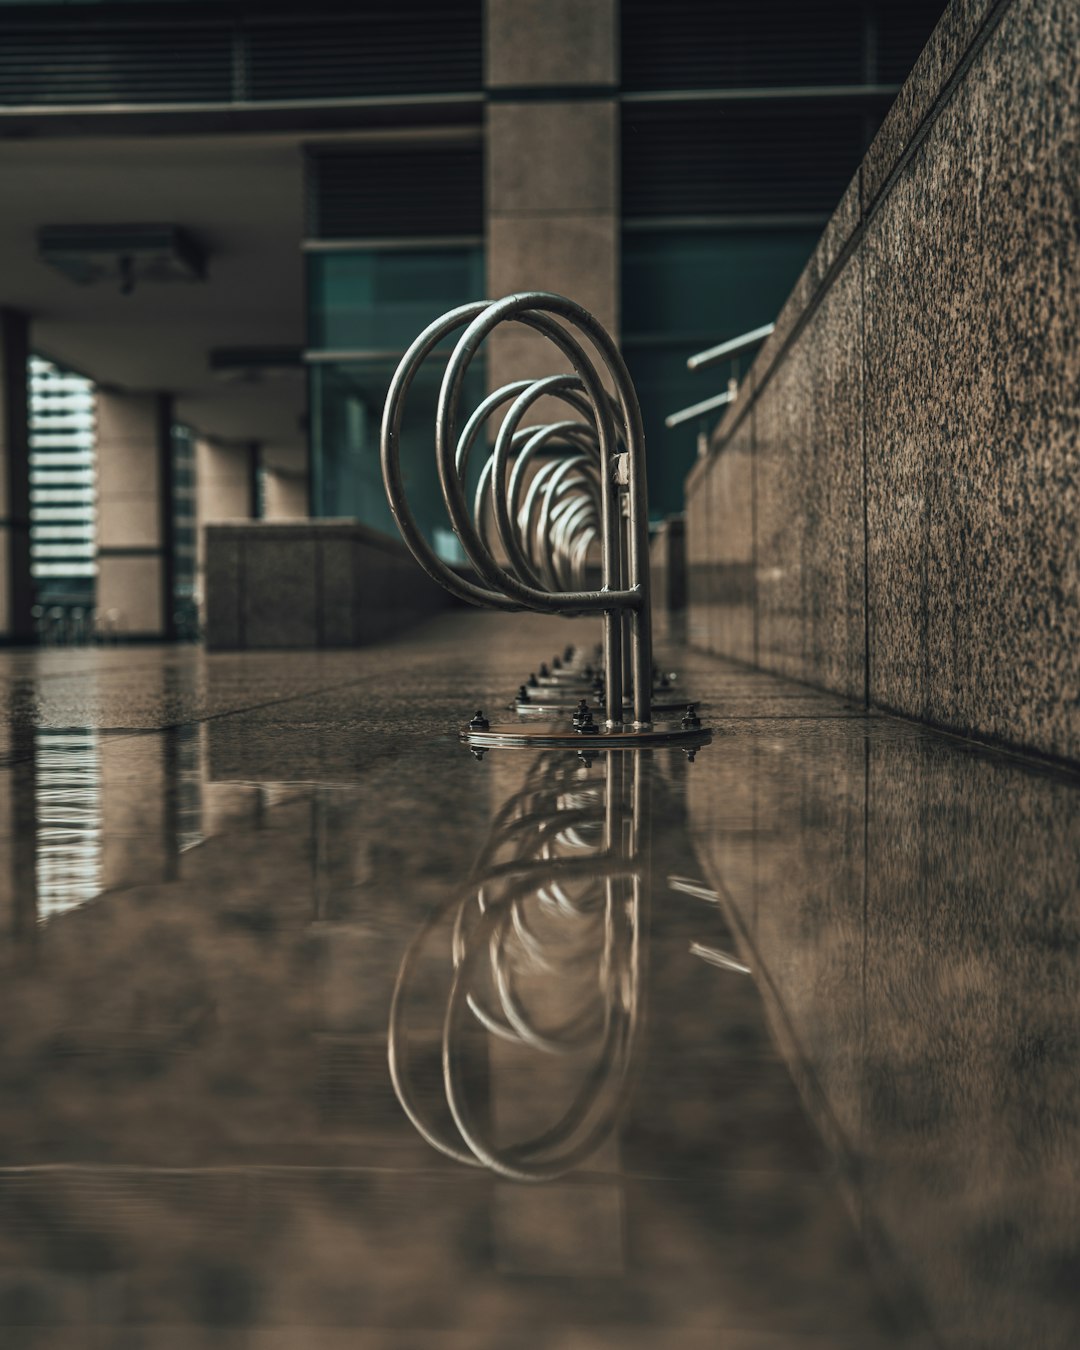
(586,493)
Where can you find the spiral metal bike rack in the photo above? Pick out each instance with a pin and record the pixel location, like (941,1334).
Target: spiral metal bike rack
(553,495)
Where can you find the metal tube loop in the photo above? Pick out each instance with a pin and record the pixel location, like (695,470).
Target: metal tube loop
(580,482)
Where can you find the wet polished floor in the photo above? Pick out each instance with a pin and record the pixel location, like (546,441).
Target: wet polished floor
(317,1032)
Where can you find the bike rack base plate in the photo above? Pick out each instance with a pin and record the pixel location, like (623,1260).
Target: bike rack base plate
(547,705)
(549,735)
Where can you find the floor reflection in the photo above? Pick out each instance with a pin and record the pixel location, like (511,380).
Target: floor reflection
(545,950)
(787,1036)
(68,838)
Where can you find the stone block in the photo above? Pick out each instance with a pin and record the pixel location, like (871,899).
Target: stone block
(129,520)
(697,562)
(551,42)
(312,583)
(731,548)
(223,588)
(281,595)
(338,580)
(570,253)
(133,588)
(972,293)
(551,157)
(950,40)
(808,444)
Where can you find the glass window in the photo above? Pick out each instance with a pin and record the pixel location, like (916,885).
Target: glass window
(346,406)
(682,291)
(368,306)
(379,299)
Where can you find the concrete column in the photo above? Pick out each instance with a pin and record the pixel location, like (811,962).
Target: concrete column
(286,491)
(136,512)
(552,171)
(225,489)
(16,586)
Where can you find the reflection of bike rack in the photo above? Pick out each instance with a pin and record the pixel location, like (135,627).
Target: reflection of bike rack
(550,496)
(561,884)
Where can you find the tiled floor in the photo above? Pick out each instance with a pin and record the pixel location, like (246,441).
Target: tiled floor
(783,1040)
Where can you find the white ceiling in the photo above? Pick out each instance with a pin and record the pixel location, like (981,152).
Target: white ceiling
(241,196)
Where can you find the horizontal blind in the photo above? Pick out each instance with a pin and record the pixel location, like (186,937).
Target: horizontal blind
(80,63)
(686,160)
(228,53)
(717,44)
(388,193)
(409,49)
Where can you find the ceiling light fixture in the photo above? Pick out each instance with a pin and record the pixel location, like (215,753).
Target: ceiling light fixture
(125,253)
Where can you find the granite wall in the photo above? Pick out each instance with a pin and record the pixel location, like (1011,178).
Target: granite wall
(891,507)
(667,562)
(310,583)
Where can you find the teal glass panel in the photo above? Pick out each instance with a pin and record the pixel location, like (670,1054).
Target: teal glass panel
(683,291)
(346,407)
(377,300)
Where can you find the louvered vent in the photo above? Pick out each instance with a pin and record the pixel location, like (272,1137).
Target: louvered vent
(903,31)
(725,44)
(76,63)
(432,48)
(213,53)
(391,193)
(693,160)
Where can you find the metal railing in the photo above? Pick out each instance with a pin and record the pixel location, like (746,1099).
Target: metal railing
(733,347)
(711,356)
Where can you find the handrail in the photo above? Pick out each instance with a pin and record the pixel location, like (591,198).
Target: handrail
(676,419)
(711,355)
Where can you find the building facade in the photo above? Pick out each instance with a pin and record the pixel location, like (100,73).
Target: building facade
(312,186)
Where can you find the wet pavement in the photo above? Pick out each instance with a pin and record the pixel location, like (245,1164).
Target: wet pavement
(318,1032)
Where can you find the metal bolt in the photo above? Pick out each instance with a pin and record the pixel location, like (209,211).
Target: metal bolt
(544,672)
(556,664)
(691,754)
(583,720)
(523,694)
(568,655)
(479,722)
(587,757)
(478,751)
(532,681)
(690,717)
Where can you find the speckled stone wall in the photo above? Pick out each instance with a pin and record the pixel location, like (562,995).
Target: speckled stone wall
(911,426)
(299,584)
(731,546)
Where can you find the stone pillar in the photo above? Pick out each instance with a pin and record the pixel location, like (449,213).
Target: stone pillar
(136,513)
(225,480)
(16,586)
(552,170)
(286,490)
(225,489)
